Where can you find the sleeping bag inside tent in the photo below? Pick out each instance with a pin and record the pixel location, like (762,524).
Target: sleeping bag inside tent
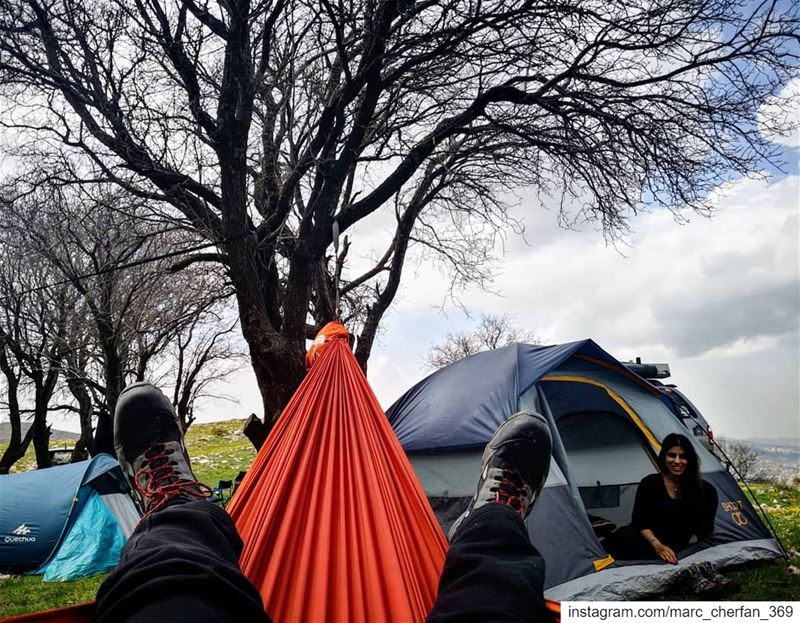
(65,522)
(607,424)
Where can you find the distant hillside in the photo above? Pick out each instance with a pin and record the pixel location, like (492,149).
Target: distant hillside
(5,432)
(778,458)
(785,442)
(781,451)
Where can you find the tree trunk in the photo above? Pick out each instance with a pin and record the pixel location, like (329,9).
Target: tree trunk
(184,406)
(276,354)
(115,383)
(185,417)
(104,434)
(77,387)
(279,373)
(17,447)
(278,362)
(115,378)
(41,435)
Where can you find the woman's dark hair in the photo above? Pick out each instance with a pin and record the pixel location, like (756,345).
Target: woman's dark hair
(691,481)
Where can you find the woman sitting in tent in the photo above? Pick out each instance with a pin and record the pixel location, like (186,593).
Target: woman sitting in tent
(670,507)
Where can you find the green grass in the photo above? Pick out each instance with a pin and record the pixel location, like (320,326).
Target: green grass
(219,451)
(24,594)
(773,581)
(782,504)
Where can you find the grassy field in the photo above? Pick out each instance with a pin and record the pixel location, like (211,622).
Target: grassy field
(219,451)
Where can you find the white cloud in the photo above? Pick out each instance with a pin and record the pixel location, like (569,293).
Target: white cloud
(391,376)
(742,348)
(691,287)
(785,109)
(750,394)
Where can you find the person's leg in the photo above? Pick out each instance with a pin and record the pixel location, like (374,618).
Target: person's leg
(182,562)
(626,543)
(492,572)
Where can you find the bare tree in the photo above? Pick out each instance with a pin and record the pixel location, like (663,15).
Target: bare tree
(130,306)
(77,359)
(80,240)
(493,331)
(265,127)
(740,458)
(32,333)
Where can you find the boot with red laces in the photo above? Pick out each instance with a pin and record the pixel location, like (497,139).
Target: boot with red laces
(514,466)
(150,448)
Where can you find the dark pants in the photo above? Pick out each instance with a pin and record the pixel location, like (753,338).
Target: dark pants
(627,543)
(492,573)
(181,564)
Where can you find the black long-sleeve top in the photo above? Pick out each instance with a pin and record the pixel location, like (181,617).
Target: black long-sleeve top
(673,521)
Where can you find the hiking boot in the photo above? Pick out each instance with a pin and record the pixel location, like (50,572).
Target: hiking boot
(700,579)
(514,466)
(723,584)
(692,581)
(149,445)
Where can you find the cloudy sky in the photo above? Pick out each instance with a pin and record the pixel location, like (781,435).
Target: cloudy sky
(717,298)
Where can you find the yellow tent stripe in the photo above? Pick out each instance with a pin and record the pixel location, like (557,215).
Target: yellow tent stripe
(616,398)
(603,563)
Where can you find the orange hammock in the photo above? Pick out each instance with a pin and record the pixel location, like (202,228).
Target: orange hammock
(335,524)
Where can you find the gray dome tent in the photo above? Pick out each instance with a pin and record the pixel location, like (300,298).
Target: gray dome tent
(607,424)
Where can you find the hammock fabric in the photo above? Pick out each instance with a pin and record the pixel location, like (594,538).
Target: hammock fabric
(336,527)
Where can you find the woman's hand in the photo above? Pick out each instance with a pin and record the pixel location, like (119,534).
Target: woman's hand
(665,553)
(662,551)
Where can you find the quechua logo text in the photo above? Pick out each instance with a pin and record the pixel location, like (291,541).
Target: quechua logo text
(21,534)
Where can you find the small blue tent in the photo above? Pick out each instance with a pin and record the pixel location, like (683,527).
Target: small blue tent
(607,425)
(65,522)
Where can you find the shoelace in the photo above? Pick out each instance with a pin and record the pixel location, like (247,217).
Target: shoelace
(162,482)
(508,490)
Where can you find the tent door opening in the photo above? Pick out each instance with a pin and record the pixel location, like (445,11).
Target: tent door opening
(607,448)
